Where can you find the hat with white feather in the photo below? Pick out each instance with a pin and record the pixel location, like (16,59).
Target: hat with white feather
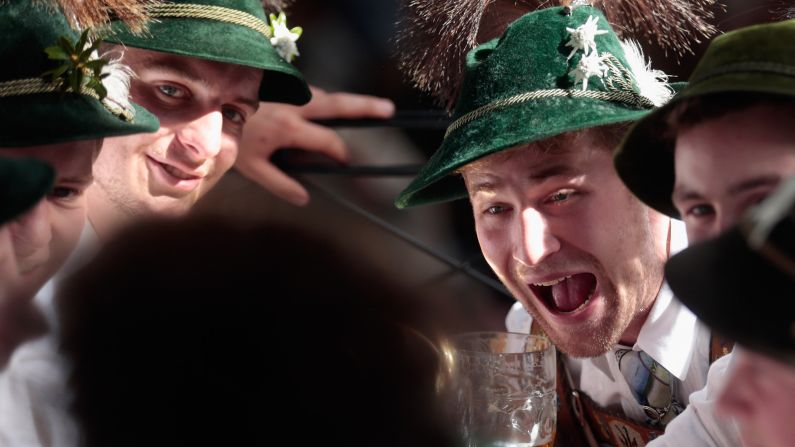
(553,71)
(54,86)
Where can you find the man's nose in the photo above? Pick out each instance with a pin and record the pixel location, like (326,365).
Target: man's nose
(536,236)
(202,136)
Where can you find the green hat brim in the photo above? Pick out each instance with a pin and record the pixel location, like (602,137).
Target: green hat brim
(50,118)
(504,129)
(718,280)
(222,42)
(756,59)
(23,182)
(508,128)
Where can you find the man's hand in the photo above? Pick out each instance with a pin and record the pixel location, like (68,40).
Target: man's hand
(278,126)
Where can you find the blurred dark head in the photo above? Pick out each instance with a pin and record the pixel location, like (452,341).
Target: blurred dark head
(203,333)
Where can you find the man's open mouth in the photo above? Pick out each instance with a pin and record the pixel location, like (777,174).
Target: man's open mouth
(567,293)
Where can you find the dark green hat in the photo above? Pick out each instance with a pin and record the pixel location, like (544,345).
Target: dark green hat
(757,59)
(32,109)
(743,283)
(231,31)
(553,71)
(23,182)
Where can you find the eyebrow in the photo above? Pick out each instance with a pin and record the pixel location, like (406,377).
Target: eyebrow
(179,68)
(755,182)
(536,175)
(683,193)
(82,179)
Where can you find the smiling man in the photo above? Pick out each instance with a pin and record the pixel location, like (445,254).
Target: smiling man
(203,89)
(203,106)
(539,113)
(203,67)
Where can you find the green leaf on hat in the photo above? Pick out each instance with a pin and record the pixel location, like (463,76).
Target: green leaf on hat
(80,68)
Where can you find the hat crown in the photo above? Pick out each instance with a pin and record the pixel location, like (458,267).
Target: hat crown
(533,55)
(253,7)
(759,47)
(28,28)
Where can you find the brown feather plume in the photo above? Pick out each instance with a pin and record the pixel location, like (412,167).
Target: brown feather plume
(785,10)
(275,6)
(83,14)
(435,35)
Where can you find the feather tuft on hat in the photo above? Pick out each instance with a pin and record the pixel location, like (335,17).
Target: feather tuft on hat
(83,14)
(434,36)
(275,6)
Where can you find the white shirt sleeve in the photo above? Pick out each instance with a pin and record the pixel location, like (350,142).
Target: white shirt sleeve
(518,320)
(699,425)
(34,399)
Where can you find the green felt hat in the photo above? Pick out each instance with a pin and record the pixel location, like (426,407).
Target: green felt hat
(756,59)
(232,31)
(554,71)
(23,182)
(33,109)
(742,282)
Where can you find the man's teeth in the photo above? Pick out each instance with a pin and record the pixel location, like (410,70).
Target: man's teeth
(176,172)
(553,282)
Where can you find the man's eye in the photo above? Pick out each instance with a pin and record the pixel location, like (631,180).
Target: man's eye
(700,210)
(61,192)
(560,196)
(496,209)
(171,91)
(233,115)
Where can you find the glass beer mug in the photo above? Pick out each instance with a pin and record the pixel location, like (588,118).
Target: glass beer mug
(500,388)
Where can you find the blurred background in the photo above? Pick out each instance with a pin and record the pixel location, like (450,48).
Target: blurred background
(348,45)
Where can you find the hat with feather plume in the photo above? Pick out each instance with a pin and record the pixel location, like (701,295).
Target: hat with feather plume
(554,70)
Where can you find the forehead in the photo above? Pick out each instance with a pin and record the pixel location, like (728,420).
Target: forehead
(568,152)
(738,144)
(216,74)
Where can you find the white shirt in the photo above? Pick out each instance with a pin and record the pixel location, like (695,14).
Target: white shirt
(699,425)
(675,339)
(34,397)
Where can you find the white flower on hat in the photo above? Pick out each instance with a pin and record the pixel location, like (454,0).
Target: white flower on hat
(583,37)
(283,39)
(590,65)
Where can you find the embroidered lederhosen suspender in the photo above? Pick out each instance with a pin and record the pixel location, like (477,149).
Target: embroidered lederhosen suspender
(583,423)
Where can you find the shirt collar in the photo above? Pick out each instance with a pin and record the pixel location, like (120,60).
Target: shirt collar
(669,333)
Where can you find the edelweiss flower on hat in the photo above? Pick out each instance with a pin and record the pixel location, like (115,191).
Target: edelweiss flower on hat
(284,38)
(553,71)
